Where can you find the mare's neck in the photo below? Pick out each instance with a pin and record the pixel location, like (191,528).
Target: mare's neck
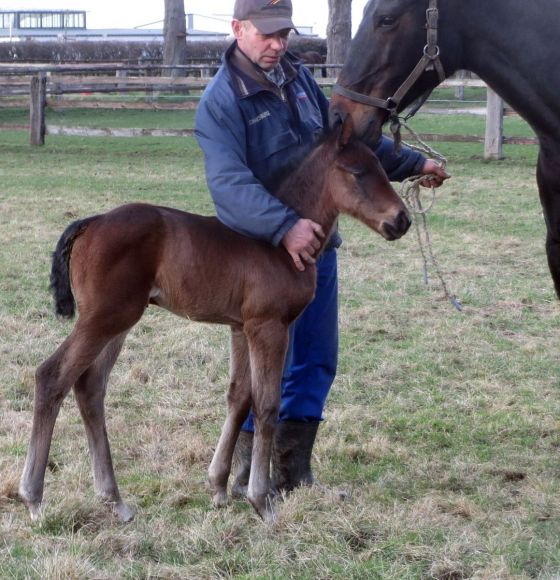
(512,45)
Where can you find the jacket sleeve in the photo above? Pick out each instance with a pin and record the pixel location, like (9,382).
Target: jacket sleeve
(401,165)
(242,202)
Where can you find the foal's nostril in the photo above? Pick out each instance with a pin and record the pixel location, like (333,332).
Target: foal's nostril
(403,222)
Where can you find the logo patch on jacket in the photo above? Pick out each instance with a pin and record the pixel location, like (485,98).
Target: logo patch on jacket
(259,118)
(302,96)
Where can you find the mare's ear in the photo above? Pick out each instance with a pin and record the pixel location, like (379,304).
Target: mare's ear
(346,132)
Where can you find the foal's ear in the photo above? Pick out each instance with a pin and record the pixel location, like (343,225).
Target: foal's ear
(346,132)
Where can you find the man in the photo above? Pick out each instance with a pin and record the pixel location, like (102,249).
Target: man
(262,111)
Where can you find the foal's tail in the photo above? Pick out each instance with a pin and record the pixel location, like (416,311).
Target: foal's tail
(65,305)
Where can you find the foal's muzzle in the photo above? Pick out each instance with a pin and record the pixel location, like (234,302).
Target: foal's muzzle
(397,228)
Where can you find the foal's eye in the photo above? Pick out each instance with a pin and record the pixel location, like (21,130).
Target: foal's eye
(357,172)
(386,21)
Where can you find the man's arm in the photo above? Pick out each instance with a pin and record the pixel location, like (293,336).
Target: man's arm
(408,162)
(242,203)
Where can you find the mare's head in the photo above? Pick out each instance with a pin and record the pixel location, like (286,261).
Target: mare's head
(358,185)
(386,48)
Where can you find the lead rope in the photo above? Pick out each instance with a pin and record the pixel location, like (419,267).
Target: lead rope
(410,193)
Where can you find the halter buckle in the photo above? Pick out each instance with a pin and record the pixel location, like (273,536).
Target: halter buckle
(432,16)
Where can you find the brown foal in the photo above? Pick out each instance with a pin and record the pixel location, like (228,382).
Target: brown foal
(194,266)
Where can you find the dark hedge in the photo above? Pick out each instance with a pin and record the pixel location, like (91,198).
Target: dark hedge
(127,52)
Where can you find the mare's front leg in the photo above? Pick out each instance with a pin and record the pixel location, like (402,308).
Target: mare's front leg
(238,404)
(268,342)
(90,390)
(548,179)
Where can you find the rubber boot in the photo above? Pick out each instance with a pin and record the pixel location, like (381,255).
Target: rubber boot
(242,460)
(291,454)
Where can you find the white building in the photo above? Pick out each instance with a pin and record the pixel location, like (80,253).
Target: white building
(70,25)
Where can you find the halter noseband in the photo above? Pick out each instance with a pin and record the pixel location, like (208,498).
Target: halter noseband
(430,61)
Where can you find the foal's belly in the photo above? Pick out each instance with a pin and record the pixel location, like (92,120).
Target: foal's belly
(232,293)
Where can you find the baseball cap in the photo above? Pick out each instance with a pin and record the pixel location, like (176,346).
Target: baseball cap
(269,16)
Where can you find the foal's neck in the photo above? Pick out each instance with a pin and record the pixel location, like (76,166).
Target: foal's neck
(306,189)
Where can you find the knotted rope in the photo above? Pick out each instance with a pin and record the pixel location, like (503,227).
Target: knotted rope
(410,192)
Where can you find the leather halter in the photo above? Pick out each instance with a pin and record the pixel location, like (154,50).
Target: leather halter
(430,61)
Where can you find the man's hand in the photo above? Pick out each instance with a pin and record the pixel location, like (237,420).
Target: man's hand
(302,242)
(435,174)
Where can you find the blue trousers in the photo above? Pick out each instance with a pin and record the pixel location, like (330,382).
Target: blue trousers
(311,359)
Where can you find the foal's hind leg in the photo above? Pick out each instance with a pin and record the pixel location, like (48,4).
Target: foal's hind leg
(238,403)
(54,379)
(56,376)
(90,390)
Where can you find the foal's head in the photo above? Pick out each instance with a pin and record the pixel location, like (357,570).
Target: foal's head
(359,186)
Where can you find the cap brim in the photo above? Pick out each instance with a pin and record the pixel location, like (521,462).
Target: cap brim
(272,25)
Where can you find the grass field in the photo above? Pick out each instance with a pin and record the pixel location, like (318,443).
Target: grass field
(443,427)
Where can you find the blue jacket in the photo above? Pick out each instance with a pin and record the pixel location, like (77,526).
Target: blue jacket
(249,135)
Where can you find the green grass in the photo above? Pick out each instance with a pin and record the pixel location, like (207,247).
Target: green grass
(105,118)
(442,426)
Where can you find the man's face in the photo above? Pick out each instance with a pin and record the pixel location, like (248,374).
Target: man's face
(265,50)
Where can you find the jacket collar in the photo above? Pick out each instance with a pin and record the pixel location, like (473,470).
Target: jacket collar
(248,78)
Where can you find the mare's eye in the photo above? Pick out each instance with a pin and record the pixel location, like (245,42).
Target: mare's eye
(386,21)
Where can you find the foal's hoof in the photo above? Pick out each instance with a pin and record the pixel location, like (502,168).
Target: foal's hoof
(123,511)
(265,508)
(34,510)
(220,499)
(239,491)
(33,507)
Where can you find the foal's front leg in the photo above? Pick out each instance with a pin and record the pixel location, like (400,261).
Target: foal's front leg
(238,404)
(268,342)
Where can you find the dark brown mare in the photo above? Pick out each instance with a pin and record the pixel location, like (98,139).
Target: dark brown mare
(511,44)
(136,255)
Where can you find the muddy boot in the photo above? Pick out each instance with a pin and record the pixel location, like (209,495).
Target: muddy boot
(242,461)
(291,454)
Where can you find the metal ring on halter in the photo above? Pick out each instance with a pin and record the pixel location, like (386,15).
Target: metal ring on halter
(391,105)
(431,56)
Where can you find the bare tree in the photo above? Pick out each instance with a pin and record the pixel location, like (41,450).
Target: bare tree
(339,32)
(175,35)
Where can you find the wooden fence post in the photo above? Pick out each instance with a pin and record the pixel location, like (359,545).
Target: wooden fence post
(460,89)
(121,74)
(37,109)
(494,135)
